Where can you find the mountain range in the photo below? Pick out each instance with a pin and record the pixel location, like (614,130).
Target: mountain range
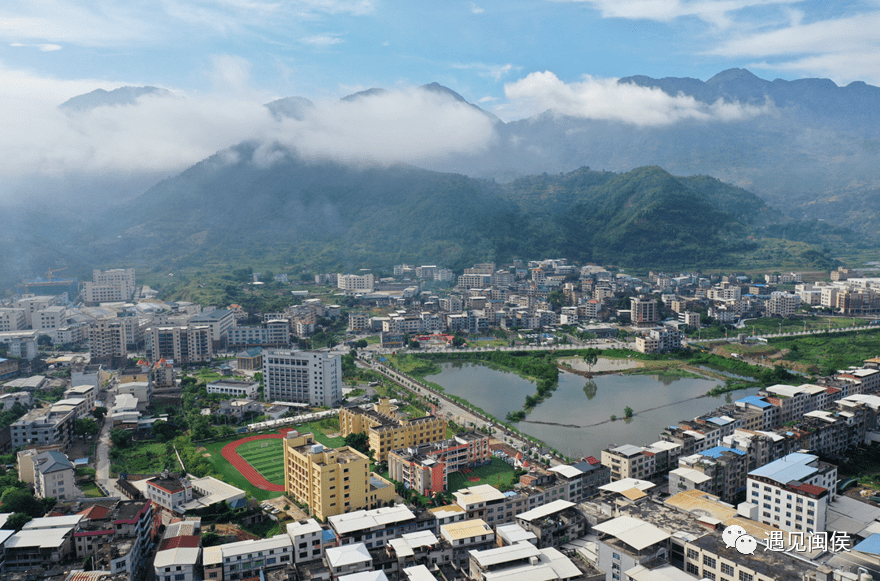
(812,154)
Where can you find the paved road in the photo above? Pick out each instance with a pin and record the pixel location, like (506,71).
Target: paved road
(102,462)
(792,334)
(595,343)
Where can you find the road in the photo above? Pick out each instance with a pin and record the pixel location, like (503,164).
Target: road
(595,343)
(102,460)
(792,334)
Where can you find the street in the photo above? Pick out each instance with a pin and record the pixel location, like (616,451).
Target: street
(102,460)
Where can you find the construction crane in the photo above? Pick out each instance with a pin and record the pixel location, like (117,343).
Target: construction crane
(49,273)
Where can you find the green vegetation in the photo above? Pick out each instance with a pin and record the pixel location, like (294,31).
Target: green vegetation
(497,473)
(863,464)
(267,457)
(141,458)
(829,352)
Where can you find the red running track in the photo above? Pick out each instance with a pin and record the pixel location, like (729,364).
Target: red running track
(230,453)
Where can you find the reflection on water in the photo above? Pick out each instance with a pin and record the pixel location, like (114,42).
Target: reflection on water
(590,389)
(657,401)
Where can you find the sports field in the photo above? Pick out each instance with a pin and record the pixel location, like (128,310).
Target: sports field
(266,456)
(496,472)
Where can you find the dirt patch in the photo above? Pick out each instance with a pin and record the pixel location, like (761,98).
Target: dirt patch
(206,455)
(474,479)
(334,435)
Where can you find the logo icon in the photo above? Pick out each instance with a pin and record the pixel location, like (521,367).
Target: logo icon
(735,536)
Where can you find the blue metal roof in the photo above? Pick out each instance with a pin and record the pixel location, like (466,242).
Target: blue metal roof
(870,545)
(718,450)
(791,467)
(756,401)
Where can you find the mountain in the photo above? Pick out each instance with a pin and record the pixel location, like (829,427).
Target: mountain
(120,96)
(813,144)
(326,215)
(290,108)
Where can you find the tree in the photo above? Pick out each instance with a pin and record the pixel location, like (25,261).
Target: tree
(44,341)
(163,431)
(458,341)
(120,438)
(627,412)
(359,441)
(15,500)
(415,345)
(16,521)
(99,413)
(361,344)
(591,357)
(86,427)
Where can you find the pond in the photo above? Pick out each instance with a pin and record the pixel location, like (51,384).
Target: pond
(576,418)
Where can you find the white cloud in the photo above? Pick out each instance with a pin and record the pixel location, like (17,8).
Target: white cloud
(485,70)
(40,47)
(842,48)
(595,98)
(476,9)
(168,134)
(716,12)
(321,40)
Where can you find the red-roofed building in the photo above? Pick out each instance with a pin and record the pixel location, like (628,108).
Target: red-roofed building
(183,541)
(592,460)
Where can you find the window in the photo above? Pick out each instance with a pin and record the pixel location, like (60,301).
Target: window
(708,575)
(726,569)
(693,569)
(743,576)
(708,561)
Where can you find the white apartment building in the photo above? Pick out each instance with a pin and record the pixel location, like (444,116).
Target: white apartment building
(109,286)
(12,319)
(179,344)
(245,559)
(20,343)
(33,304)
(308,377)
(792,493)
(54,476)
(306,538)
(235,388)
(782,304)
(220,321)
(169,492)
(355,283)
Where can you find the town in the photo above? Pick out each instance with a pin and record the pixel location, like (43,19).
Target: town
(150,438)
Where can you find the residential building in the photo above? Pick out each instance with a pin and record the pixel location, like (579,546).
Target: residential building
(169,491)
(554,523)
(792,493)
(115,538)
(310,377)
(32,549)
(643,311)
(521,561)
(659,340)
(220,321)
(426,467)
(306,538)
(375,527)
(248,559)
(274,333)
(33,304)
(109,286)
(238,409)
(179,345)
(50,318)
(347,560)
(353,283)
(13,319)
(331,481)
(720,471)
(467,536)
(582,480)
(782,304)
(178,559)
(643,462)
(235,388)
(108,343)
(54,476)
(44,426)
(21,344)
(387,430)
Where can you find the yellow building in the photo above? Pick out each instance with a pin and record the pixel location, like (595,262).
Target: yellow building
(387,430)
(331,481)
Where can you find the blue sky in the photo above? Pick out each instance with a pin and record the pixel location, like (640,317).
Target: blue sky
(222,58)
(327,48)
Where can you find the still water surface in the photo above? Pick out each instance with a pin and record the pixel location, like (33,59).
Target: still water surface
(576,418)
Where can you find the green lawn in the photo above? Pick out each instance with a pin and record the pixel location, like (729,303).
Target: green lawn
(91,490)
(496,472)
(267,457)
(832,351)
